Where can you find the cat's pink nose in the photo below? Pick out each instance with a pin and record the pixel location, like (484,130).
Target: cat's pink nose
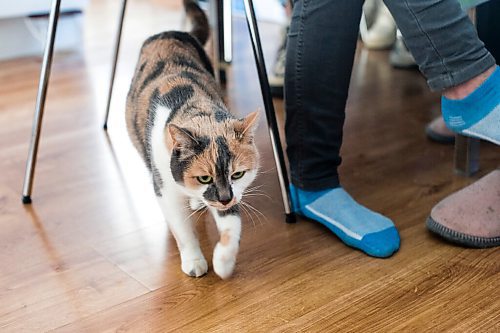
(225,201)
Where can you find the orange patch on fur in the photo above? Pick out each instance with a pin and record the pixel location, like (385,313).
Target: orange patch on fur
(225,238)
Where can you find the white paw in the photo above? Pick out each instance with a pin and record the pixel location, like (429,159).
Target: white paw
(224,260)
(195,204)
(195,267)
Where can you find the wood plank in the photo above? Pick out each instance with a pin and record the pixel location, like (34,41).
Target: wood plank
(60,290)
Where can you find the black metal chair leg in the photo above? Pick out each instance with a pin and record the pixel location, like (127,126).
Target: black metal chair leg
(40,101)
(269,108)
(115,60)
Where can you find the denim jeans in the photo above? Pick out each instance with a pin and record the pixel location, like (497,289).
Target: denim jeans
(488,26)
(321,45)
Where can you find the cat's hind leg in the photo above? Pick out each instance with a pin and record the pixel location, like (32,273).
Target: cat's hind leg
(226,250)
(193,262)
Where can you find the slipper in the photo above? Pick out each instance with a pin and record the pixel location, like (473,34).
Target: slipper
(471,216)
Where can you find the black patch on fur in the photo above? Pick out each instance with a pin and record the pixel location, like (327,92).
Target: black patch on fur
(141,69)
(185,38)
(176,98)
(201,114)
(155,73)
(173,99)
(182,158)
(202,143)
(221,115)
(136,126)
(235,210)
(224,157)
(192,77)
(187,62)
(211,193)
(195,79)
(178,165)
(221,189)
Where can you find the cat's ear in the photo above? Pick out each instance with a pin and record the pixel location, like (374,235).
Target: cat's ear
(179,137)
(247,126)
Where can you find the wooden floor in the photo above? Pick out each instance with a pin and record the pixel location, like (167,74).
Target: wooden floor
(92,253)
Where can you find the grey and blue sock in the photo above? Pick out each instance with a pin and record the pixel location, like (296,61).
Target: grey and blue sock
(354,224)
(477,115)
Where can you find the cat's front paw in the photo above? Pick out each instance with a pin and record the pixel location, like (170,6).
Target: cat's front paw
(224,260)
(195,267)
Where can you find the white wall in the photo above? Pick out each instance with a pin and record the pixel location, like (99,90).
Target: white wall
(19,8)
(22,36)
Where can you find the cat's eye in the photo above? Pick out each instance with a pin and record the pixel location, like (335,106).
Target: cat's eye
(205,179)
(237,175)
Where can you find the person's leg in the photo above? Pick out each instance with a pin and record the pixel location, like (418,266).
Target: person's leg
(320,54)
(454,60)
(321,46)
(488,30)
(445,45)
(277,75)
(470,216)
(488,26)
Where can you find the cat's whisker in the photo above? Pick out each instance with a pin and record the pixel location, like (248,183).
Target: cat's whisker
(255,211)
(252,190)
(245,210)
(257,194)
(255,187)
(194,212)
(263,172)
(203,210)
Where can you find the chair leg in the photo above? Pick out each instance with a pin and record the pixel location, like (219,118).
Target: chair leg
(466,155)
(221,14)
(115,60)
(40,101)
(269,108)
(226,43)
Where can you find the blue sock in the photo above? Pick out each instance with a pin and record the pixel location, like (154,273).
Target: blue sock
(355,225)
(477,115)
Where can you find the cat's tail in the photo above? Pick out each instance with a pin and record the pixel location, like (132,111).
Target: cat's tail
(199,21)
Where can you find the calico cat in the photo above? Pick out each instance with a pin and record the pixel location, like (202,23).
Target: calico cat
(194,148)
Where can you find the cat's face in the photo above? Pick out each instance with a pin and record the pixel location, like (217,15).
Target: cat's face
(215,162)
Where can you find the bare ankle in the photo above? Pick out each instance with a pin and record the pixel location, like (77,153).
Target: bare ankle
(466,88)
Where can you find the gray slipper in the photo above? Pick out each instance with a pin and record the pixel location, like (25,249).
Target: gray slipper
(461,238)
(471,216)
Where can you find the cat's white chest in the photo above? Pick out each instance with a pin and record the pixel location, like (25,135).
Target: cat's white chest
(160,156)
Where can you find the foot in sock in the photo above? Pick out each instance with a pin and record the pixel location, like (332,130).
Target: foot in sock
(478,114)
(354,224)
